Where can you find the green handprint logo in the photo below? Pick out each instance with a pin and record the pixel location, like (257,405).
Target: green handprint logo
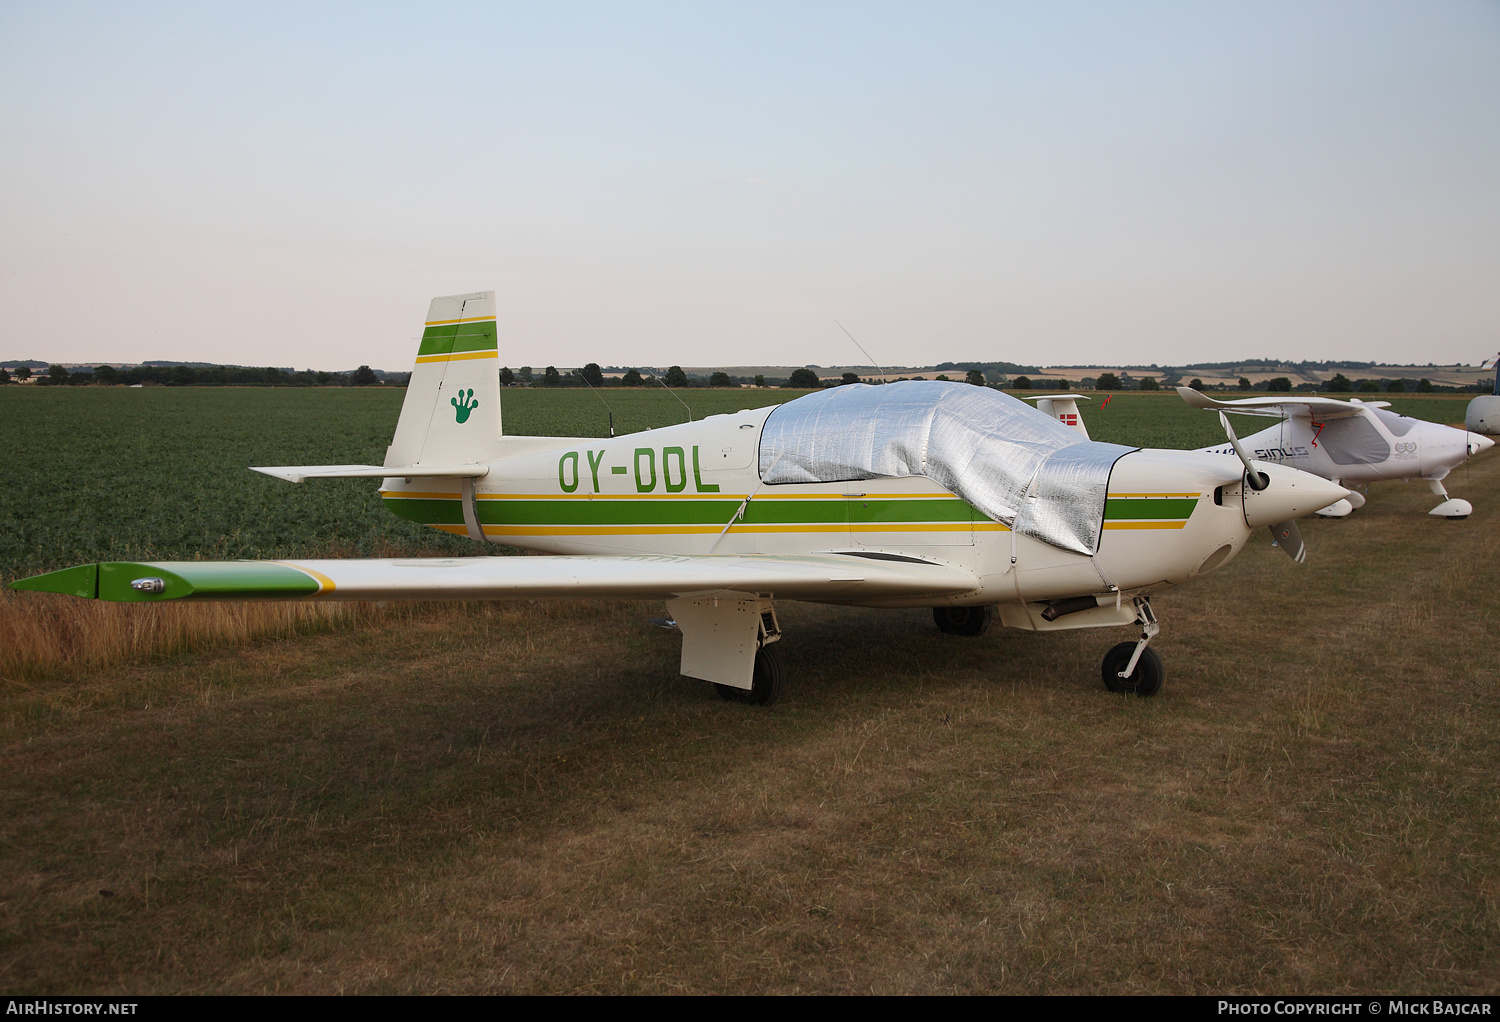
(463,406)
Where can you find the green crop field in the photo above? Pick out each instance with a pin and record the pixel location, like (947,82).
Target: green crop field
(116,473)
(161,473)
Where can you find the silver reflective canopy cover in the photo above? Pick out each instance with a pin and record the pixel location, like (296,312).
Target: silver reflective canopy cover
(1015,464)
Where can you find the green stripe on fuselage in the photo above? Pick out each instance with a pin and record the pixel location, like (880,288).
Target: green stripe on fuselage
(450,338)
(1158,508)
(584,511)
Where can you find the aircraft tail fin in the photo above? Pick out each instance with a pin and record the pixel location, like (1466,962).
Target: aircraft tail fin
(1063,408)
(451,414)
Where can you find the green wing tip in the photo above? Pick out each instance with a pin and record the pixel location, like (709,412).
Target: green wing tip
(82,580)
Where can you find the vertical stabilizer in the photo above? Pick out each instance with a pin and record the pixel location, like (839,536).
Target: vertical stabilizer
(452,408)
(1063,408)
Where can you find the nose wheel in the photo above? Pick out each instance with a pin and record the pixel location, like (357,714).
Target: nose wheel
(1130,667)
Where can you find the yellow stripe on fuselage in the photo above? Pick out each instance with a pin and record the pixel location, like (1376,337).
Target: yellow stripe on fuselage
(1158,496)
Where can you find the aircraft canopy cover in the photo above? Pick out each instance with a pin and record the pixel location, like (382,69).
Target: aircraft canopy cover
(1015,464)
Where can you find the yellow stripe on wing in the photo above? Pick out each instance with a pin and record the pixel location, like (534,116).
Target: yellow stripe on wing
(325,584)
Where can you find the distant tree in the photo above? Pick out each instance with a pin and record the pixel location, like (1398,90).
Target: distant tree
(1149,383)
(1021,383)
(182,376)
(676,377)
(272,377)
(848,378)
(324,378)
(802,379)
(1107,381)
(56,375)
(1396,387)
(720,379)
(1197,384)
(1281,383)
(975,377)
(23,372)
(760,379)
(943,377)
(632,378)
(592,374)
(551,377)
(364,376)
(1339,384)
(1368,387)
(4,375)
(1424,386)
(1246,384)
(506,376)
(526,375)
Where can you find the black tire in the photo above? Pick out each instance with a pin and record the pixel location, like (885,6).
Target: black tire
(963,620)
(766,683)
(1144,681)
(770,677)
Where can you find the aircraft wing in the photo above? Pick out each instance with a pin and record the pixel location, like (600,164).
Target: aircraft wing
(1282,406)
(835,577)
(297,473)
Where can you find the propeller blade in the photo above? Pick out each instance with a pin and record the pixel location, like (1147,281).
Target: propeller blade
(1257,480)
(1287,536)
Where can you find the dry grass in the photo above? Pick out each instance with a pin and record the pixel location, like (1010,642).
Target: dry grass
(43,634)
(524,798)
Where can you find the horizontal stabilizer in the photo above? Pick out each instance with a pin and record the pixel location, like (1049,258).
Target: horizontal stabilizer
(297,473)
(831,576)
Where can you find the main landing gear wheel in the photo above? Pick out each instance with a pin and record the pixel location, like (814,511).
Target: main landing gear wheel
(963,620)
(766,683)
(1145,680)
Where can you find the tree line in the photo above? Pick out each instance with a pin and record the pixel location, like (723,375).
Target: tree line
(199,376)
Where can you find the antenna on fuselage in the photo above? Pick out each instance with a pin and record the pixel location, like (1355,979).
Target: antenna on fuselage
(862,350)
(603,402)
(669,390)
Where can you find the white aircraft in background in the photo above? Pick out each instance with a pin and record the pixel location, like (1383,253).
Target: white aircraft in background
(915,494)
(1350,442)
(1483,413)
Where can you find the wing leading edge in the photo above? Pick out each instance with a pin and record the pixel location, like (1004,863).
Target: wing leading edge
(1282,406)
(824,577)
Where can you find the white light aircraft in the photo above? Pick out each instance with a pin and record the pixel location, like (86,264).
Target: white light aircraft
(1349,442)
(916,494)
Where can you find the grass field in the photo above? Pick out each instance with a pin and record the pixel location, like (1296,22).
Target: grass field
(525,798)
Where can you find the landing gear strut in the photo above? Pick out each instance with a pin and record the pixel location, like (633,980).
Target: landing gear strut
(1453,508)
(1130,667)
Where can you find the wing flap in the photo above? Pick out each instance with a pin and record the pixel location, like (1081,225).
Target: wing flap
(828,577)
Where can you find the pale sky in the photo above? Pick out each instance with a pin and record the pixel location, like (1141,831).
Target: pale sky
(718,183)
